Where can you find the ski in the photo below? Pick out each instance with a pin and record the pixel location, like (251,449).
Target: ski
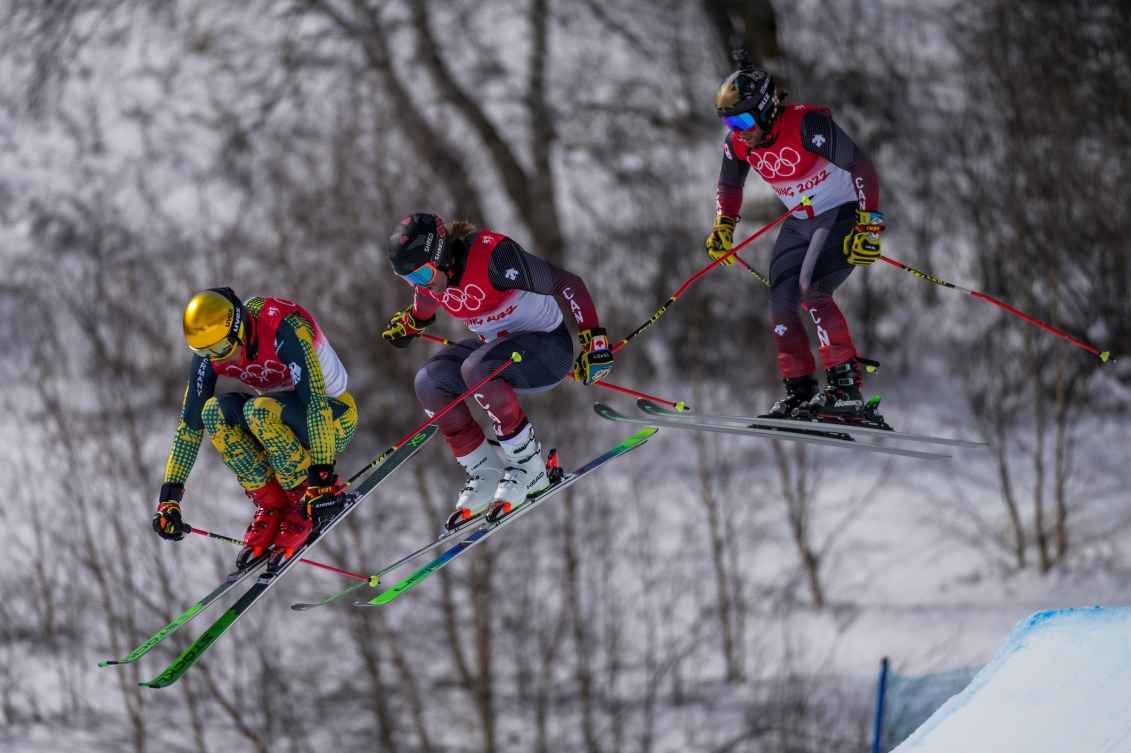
(271,576)
(444,538)
(489,529)
(827,427)
(612,414)
(234,578)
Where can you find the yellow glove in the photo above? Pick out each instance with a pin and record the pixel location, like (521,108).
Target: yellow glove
(721,239)
(595,360)
(404,328)
(862,244)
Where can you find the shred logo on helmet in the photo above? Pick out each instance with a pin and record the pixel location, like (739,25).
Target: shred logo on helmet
(748,92)
(419,239)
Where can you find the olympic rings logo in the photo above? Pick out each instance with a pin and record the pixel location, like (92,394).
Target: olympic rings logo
(470,297)
(780,164)
(265,375)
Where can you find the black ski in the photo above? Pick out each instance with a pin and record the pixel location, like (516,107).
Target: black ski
(271,576)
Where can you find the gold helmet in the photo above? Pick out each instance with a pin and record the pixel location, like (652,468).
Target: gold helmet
(214,322)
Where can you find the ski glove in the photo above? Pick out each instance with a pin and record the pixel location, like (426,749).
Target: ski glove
(721,239)
(323,498)
(167,521)
(404,328)
(595,360)
(862,245)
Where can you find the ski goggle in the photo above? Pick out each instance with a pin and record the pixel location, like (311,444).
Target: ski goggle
(743,121)
(422,275)
(222,349)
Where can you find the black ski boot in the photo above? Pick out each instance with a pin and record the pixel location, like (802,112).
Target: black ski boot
(798,392)
(842,400)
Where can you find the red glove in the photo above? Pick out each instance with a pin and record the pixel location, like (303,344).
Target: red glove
(167,521)
(323,498)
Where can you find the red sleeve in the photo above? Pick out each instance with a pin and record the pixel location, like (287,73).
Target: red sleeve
(572,289)
(732,177)
(424,306)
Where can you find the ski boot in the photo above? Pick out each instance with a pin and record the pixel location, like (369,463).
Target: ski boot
(270,502)
(293,531)
(524,475)
(798,392)
(842,401)
(484,472)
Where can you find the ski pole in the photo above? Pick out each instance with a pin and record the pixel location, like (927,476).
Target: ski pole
(675,296)
(331,568)
(1104,355)
(515,358)
(678,406)
(606,385)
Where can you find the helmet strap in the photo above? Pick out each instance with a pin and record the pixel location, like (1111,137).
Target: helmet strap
(251,344)
(459,260)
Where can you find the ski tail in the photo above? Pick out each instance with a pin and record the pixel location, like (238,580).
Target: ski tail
(268,579)
(487,530)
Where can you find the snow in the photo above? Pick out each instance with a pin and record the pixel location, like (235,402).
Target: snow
(1060,682)
(904,571)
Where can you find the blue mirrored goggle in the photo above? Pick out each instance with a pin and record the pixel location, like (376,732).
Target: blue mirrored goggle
(422,275)
(743,121)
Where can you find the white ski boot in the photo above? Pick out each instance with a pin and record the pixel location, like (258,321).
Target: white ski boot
(524,475)
(484,472)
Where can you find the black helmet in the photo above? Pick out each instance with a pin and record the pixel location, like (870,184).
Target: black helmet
(746,98)
(419,239)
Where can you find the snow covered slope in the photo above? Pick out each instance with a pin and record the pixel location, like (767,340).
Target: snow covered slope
(1060,683)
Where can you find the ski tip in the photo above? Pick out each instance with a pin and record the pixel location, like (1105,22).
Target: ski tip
(112,663)
(302,607)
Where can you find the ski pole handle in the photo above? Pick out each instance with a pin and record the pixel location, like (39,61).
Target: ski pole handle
(1104,355)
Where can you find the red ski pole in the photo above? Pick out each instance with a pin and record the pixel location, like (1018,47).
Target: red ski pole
(331,568)
(675,296)
(515,358)
(606,385)
(1104,355)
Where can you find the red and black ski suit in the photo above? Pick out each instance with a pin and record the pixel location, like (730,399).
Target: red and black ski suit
(808,155)
(509,298)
